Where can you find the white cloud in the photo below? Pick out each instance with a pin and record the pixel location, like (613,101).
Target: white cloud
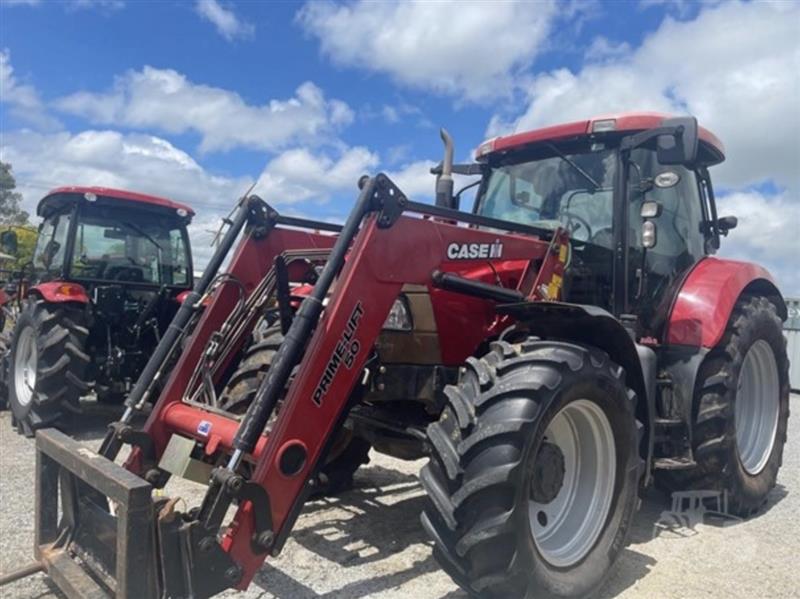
(167,101)
(111,159)
(767,234)
(23,99)
(471,50)
(299,175)
(225,20)
(736,67)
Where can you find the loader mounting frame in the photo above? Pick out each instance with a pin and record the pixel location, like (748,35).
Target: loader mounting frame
(198,555)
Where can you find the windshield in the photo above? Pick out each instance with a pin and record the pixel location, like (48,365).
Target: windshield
(573,190)
(113,244)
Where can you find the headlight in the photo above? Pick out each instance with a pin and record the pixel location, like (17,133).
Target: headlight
(399,318)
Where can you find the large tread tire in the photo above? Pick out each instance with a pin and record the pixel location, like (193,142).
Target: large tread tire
(479,475)
(60,336)
(719,467)
(348,453)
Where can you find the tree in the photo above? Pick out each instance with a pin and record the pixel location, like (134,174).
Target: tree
(10,211)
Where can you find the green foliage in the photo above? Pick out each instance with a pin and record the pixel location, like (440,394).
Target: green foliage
(15,218)
(10,211)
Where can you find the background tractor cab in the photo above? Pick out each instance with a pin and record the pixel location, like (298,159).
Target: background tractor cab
(106,272)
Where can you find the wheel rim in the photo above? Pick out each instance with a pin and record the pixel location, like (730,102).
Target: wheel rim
(25,364)
(566,528)
(757,407)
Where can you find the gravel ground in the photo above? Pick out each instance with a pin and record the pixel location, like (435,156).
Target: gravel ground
(368,542)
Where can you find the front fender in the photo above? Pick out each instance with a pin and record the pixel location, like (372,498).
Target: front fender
(704,304)
(60,292)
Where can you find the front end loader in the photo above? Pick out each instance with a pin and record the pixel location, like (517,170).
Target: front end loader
(512,345)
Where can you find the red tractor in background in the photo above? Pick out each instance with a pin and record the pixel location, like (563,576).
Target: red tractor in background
(104,283)
(554,350)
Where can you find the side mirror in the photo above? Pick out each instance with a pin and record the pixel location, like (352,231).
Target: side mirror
(679,147)
(726,224)
(8,241)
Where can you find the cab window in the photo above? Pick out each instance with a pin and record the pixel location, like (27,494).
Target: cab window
(51,245)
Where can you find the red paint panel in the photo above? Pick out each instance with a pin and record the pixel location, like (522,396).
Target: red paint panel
(119,194)
(706,300)
(59,292)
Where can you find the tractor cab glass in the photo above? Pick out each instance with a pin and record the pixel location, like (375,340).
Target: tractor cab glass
(51,245)
(572,190)
(572,186)
(116,244)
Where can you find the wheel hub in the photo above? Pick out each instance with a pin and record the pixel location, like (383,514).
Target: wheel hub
(757,408)
(25,366)
(573,483)
(548,473)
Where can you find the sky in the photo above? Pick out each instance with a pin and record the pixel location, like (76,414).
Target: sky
(197,101)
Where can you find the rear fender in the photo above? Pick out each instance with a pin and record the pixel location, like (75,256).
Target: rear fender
(59,292)
(594,326)
(707,297)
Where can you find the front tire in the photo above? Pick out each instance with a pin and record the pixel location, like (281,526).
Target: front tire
(47,365)
(740,412)
(534,472)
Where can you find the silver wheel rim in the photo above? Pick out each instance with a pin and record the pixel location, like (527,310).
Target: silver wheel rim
(566,528)
(757,407)
(25,364)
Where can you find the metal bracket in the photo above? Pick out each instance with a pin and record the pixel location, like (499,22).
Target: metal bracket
(388,200)
(228,485)
(261,217)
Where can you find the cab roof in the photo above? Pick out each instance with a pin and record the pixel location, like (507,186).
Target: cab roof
(61,194)
(711,149)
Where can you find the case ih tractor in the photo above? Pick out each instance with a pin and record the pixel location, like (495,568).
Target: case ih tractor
(554,350)
(107,271)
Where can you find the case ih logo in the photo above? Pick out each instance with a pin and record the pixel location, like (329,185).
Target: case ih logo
(474,251)
(345,352)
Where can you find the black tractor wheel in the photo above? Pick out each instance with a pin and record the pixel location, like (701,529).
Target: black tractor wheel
(534,471)
(740,411)
(347,453)
(47,365)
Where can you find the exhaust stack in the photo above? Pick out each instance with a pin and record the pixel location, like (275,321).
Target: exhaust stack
(444,182)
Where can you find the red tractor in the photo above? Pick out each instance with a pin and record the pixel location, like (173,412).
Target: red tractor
(104,283)
(553,351)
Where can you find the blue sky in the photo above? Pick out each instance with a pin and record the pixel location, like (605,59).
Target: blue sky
(198,100)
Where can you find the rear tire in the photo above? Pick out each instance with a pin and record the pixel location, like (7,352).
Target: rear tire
(740,412)
(501,460)
(47,365)
(348,452)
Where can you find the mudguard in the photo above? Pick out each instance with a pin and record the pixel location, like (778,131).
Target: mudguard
(704,304)
(59,292)
(4,298)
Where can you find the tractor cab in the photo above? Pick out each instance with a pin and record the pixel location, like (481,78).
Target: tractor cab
(107,271)
(638,219)
(97,236)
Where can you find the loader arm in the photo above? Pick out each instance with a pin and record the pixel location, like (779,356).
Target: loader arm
(387,242)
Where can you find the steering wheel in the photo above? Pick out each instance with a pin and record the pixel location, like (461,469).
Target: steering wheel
(573,223)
